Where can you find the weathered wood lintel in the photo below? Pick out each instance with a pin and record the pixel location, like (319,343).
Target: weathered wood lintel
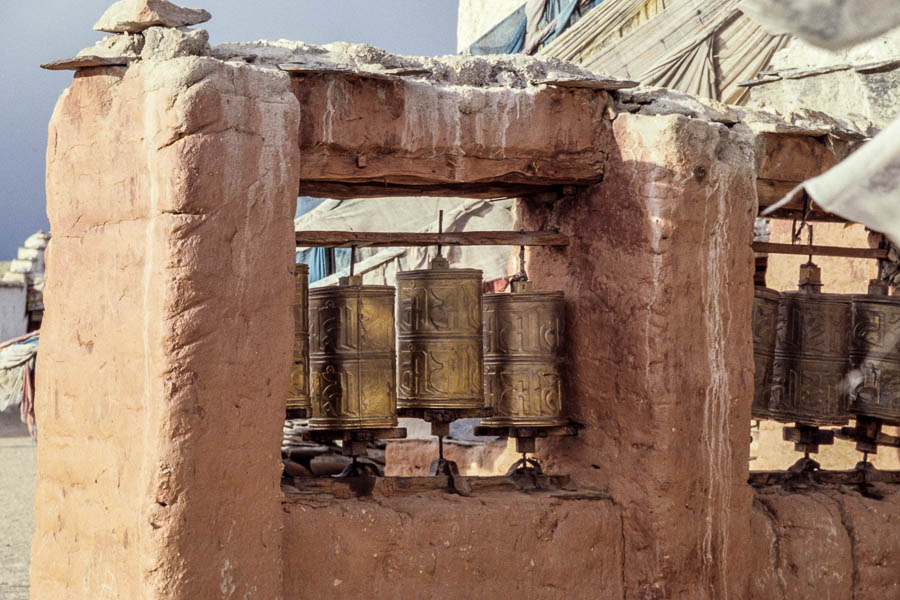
(372,239)
(344,191)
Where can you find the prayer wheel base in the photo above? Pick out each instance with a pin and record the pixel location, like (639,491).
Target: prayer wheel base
(343,424)
(296,413)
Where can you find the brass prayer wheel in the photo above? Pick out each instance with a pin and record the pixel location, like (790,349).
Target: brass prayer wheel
(439,335)
(765,312)
(523,357)
(352,356)
(875,354)
(812,357)
(298,397)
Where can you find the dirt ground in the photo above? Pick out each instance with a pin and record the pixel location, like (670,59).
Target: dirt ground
(17,453)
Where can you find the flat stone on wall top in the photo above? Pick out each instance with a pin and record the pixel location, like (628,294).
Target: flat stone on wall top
(507,71)
(133,16)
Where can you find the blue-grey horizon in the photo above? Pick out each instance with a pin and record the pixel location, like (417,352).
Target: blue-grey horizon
(38,32)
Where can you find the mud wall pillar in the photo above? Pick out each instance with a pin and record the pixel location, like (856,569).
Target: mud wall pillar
(164,354)
(658,281)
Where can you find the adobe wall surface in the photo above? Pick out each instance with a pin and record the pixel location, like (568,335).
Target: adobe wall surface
(166,344)
(825,542)
(441,545)
(658,289)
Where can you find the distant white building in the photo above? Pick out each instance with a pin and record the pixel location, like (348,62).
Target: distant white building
(22,288)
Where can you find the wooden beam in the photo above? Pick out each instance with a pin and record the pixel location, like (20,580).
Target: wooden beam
(802,249)
(373,239)
(346,191)
(795,214)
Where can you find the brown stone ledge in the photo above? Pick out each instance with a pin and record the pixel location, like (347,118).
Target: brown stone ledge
(301,489)
(855,477)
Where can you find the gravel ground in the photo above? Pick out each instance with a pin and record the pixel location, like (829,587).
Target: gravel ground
(16,515)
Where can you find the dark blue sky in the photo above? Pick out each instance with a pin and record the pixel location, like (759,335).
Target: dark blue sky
(43,30)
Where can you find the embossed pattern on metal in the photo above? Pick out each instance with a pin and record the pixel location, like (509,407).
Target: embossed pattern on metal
(439,335)
(352,357)
(875,354)
(812,351)
(765,312)
(298,397)
(523,359)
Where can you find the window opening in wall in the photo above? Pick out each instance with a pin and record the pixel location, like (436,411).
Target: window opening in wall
(402,343)
(827,360)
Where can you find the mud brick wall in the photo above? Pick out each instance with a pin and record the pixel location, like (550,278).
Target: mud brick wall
(171,189)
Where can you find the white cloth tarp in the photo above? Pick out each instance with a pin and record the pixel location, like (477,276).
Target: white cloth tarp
(13,360)
(832,24)
(379,266)
(701,47)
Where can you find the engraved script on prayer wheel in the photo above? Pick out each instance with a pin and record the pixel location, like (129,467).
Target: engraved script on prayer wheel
(439,338)
(765,311)
(812,352)
(352,356)
(523,357)
(298,398)
(875,354)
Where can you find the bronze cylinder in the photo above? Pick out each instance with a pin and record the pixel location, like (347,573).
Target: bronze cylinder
(352,356)
(812,356)
(765,311)
(439,338)
(523,357)
(875,356)
(298,397)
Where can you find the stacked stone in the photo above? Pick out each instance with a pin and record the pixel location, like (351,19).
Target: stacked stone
(890,267)
(304,459)
(143,30)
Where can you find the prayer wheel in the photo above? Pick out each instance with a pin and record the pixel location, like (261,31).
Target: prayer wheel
(298,398)
(765,312)
(439,338)
(352,356)
(812,358)
(523,357)
(875,355)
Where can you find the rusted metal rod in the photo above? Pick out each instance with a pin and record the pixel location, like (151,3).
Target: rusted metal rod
(363,239)
(804,249)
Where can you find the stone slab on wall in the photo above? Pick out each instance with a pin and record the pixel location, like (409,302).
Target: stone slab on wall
(826,542)
(658,284)
(165,361)
(441,545)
